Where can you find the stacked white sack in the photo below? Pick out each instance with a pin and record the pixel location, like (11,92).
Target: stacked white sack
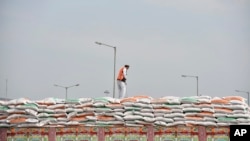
(198,110)
(138,111)
(18,112)
(168,111)
(104,112)
(231,110)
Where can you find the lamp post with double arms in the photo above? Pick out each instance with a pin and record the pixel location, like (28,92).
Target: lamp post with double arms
(246,93)
(66,88)
(197,79)
(114,63)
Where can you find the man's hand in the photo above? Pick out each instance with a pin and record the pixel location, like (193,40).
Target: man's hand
(124,80)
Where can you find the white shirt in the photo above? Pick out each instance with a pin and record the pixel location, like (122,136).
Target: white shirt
(125,72)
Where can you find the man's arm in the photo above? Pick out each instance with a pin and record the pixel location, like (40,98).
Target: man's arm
(125,73)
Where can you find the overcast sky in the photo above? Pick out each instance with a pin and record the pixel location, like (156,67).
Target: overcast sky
(46,42)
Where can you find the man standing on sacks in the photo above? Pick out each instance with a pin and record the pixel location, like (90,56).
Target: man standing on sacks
(121,81)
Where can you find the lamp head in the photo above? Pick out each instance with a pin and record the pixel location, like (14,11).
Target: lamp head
(183,76)
(106,92)
(98,43)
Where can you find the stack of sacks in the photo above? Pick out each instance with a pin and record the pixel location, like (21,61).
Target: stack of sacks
(18,112)
(105,113)
(131,111)
(207,111)
(60,112)
(77,110)
(198,110)
(138,111)
(231,110)
(3,114)
(190,109)
(168,111)
(51,111)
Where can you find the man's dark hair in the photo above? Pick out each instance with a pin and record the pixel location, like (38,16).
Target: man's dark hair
(126,66)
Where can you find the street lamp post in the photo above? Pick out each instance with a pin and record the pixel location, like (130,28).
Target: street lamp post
(6,88)
(197,78)
(246,93)
(114,63)
(66,88)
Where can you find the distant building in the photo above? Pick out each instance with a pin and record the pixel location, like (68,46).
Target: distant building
(5,99)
